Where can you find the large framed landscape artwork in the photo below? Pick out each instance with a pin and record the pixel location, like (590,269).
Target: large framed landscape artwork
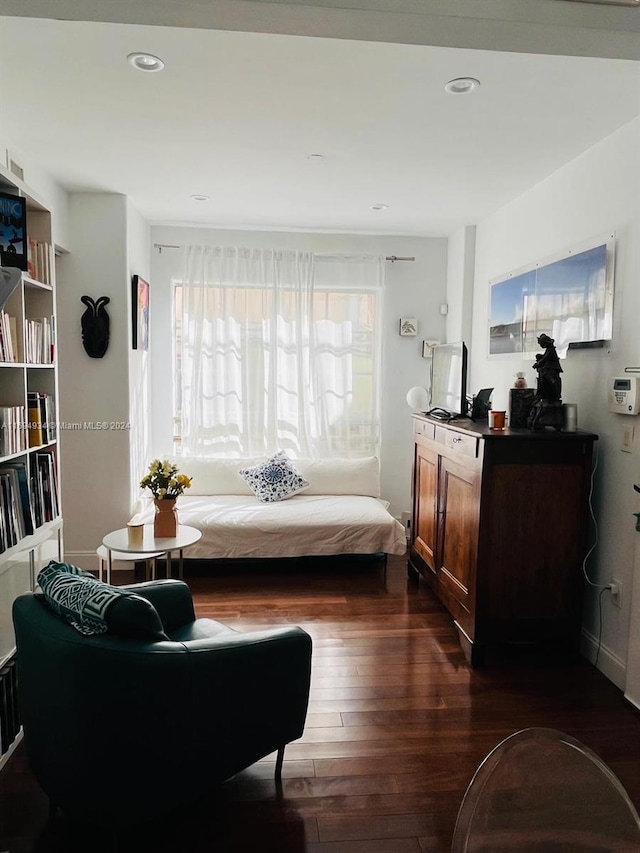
(568,297)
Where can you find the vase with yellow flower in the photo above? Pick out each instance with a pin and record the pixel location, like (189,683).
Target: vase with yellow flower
(166,484)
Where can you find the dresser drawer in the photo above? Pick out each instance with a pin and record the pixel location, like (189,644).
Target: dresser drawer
(423,428)
(466,444)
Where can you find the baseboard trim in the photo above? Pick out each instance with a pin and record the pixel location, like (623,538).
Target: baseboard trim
(87,560)
(609,663)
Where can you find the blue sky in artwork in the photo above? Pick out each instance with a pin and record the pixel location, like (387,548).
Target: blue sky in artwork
(507,298)
(579,272)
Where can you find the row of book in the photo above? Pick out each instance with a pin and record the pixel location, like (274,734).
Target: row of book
(40,261)
(42,418)
(28,497)
(8,338)
(13,435)
(9,709)
(39,340)
(39,345)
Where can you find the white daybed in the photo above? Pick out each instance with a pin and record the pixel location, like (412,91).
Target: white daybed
(340,513)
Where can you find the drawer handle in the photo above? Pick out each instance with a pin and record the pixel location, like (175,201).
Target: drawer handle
(456,440)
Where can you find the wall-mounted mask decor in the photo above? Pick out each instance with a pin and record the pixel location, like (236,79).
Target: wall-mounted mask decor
(95,326)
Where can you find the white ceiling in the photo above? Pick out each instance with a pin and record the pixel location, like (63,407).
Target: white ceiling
(235,115)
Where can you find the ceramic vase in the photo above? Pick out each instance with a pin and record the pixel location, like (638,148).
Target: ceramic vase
(165,523)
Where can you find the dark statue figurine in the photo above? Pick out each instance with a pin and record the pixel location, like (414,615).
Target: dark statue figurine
(95,324)
(547,406)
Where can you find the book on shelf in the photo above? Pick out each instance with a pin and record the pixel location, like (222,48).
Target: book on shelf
(8,337)
(13,436)
(39,263)
(38,344)
(8,508)
(49,485)
(42,428)
(36,433)
(19,473)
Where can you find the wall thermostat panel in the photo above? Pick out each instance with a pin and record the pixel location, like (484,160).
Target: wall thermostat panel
(623,395)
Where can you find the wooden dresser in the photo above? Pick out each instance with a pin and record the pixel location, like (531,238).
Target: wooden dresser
(500,527)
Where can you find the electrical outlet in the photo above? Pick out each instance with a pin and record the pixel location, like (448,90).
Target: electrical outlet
(406,521)
(627,439)
(616,592)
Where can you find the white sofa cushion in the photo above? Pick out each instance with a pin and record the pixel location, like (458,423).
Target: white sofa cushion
(341,476)
(217,476)
(325,476)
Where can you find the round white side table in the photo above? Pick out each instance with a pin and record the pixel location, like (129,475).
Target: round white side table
(121,556)
(118,541)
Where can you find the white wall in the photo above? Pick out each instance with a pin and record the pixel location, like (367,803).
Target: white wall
(96,480)
(460,281)
(597,193)
(41,186)
(412,289)
(139,261)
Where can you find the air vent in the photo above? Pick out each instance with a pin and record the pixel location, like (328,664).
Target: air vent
(16,170)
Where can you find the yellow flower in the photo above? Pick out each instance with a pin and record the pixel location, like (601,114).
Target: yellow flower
(164,480)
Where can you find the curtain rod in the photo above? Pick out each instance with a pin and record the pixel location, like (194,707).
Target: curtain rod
(161,246)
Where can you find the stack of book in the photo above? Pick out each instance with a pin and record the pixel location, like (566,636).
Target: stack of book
(39,261)
(28,497)
(8,338)
(42,426)
(16,505)
(38,341)
(13,436)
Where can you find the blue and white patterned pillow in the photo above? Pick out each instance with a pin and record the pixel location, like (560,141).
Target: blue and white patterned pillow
(274,480)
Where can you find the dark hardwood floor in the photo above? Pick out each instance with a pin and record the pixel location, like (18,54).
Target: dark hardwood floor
(397,725)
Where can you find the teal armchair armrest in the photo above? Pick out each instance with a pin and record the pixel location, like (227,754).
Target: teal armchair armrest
(171,598)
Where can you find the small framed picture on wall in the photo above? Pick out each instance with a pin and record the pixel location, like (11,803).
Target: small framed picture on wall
(140,312)
(408,326)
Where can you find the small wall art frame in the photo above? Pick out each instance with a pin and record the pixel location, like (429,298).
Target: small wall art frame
(408,326)
(140,313)
(568,296)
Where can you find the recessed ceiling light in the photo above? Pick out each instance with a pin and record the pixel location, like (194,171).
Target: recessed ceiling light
(315,158)
(146,61)
(198,197)
(462,85)
(379,206)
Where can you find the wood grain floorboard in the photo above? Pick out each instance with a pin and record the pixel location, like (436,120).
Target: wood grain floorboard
(397,725)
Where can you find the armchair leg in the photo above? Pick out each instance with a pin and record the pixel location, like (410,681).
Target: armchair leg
(279,761)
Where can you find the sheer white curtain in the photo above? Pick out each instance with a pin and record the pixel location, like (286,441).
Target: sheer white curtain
(277,350)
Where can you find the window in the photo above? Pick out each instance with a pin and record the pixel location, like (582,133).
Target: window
(277,350)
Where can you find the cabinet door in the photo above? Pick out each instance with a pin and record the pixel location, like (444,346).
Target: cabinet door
(425,504)
(458,517)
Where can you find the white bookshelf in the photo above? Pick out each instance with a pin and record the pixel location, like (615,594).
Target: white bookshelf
(33,370)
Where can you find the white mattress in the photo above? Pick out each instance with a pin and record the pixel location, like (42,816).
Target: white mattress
(239,526)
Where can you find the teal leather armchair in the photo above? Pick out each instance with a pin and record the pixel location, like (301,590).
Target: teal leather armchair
(120,730)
